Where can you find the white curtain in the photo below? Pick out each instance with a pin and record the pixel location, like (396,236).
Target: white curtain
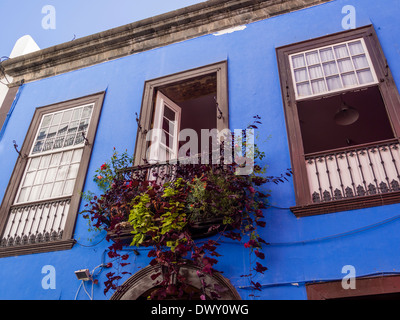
(341,51)
(360,62)
(349,79)
(333,83)
(301,75)
(330,68)
(303,89)
(365,76)
(326,55)
(356,48)
(315,72)
(318,86)
(298,61)
(345,65)
(312,58)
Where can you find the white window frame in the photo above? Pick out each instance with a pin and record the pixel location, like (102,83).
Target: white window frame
(312,95)
(52,152)
(157,133)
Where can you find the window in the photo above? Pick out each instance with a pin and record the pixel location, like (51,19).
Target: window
(39,209)
(340,105)
(332,68)
(196,99)
(167,119)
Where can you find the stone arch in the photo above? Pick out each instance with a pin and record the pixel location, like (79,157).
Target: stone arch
(138,284)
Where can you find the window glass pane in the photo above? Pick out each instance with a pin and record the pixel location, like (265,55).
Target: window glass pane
(62,172)
(68,187)
(37,147)
(34,163)
(345,65)
(73,127)
(73,171)
(330,68)
(77,114)
(42,134)
(66,116)
(46,120)
(44,162)
(58,143)
(35,192)
(46,191)
(23,195)
(69,140)
(312,58)
(66,157)
(365,76)
(303,89)
(327,54)
(315,72)
(28,181)
(40,176)
(48,145)
(77,156)
(333,83)
(360,62)
(56,119)
(57,189)
(301,75)
(349,79)
(51,175)
(298,61)
(55,159)
(83,125)
(356,47)
(318,86)
(168,113)
(52,132)
(341,51)
(87,111)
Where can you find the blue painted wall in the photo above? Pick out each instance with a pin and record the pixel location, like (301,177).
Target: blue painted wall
(301,250)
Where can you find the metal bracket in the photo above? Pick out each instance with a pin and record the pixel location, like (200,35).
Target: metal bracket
(87,143)
(16,149)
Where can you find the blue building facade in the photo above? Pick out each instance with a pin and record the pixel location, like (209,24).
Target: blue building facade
(304,250)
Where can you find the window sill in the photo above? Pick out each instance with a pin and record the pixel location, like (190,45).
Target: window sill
(347,204)
(37,248)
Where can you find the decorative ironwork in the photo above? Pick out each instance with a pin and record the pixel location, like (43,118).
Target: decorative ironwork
(360,191)
(337,194)
(35,223)
(354,171)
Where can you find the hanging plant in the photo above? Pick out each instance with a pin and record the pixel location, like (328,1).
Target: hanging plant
(165,216)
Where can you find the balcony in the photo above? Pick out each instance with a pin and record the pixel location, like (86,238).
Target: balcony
(35,223)
(353,177)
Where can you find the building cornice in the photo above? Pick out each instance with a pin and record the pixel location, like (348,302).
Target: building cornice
(161,30)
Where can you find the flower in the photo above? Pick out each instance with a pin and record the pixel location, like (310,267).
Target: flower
(99,177)
(103,167)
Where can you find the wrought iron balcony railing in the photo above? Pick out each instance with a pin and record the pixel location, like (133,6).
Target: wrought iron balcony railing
(35,223)
(358,171)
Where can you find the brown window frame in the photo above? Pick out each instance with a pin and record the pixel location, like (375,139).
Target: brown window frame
(390,96)
(149,96)
(67,240)
(368,286)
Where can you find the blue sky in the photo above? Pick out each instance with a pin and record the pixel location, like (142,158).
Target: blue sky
(74,18)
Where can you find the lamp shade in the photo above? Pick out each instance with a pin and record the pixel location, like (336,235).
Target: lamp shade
(346,115)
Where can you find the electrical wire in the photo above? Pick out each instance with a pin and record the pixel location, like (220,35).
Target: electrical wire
(297,283)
